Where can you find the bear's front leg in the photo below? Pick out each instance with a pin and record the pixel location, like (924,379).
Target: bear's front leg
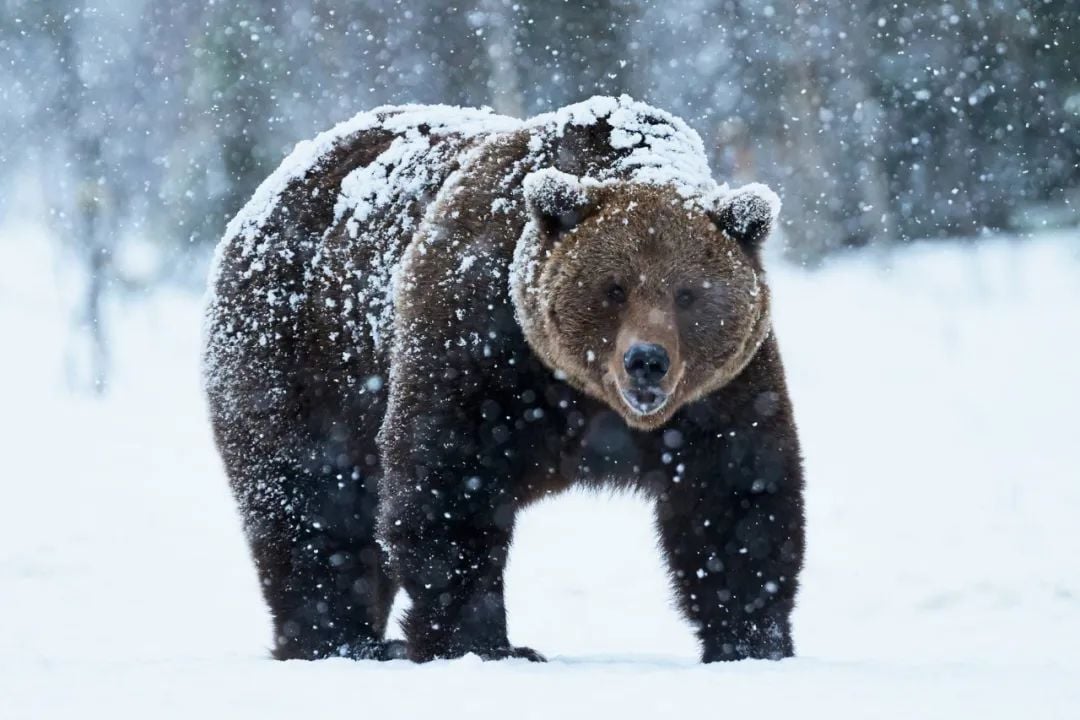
(731,524)
(454,441)
(448,548)
(447,511)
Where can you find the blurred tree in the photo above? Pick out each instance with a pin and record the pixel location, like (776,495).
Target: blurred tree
(975,130)
(85,209)
(236,101)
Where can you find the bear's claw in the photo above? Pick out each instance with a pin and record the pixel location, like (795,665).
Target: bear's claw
(506,653)
(376,650)
(395,650)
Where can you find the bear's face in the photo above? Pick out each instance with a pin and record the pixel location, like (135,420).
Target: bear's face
(637,298)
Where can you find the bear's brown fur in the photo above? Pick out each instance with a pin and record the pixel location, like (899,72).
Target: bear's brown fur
(430,317)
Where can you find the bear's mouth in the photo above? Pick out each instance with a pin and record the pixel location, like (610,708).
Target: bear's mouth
(644,400)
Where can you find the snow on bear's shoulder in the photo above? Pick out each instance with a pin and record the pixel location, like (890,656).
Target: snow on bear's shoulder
(380,204)
(402,171)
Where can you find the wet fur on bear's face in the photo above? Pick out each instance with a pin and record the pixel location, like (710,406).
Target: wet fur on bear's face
(621,266)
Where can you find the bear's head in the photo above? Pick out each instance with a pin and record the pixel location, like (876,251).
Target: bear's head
(637,296)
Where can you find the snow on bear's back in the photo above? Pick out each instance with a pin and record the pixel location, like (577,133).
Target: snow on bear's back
(651,146)
(426,138)
(364,191)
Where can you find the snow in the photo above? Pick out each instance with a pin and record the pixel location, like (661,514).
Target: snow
(664,150)
(554,191)
(935,391)
(750,203)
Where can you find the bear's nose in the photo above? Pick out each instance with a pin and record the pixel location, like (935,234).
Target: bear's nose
(646,363)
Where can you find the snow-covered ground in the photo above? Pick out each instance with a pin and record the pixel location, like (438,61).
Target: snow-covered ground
(936,390)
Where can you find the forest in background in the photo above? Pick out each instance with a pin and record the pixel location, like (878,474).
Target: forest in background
(150,122)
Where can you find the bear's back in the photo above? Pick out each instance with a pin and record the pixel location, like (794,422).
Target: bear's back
(332,220)
(315,248)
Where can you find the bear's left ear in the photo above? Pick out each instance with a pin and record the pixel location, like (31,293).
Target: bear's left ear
(557,200)
(747,214)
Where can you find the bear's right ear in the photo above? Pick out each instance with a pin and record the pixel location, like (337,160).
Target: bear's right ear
(557,200)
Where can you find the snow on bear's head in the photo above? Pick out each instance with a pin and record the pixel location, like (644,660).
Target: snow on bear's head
(637,296)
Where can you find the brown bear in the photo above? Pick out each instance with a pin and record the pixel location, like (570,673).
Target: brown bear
(429,317)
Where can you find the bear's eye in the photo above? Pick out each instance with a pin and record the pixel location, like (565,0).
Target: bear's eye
(684,298)
(616,294)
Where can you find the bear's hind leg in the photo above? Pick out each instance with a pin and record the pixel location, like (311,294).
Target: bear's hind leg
(323,575)
(328,598)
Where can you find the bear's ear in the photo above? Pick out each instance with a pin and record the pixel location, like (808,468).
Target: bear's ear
(557,200)
(747,214)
